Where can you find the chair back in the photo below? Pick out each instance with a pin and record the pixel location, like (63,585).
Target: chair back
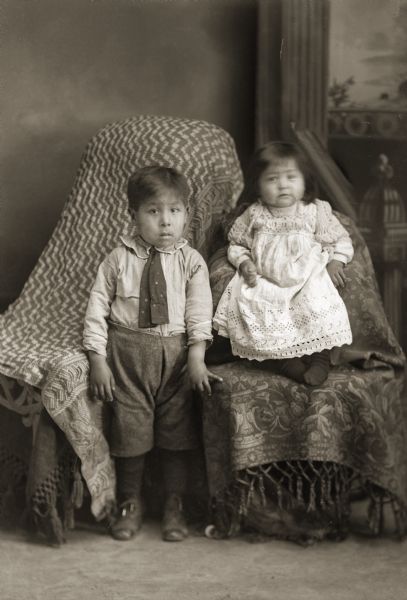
(45,324)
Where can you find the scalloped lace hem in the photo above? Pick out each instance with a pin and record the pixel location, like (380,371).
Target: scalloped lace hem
(301,349)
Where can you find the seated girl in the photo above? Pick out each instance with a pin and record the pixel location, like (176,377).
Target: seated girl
(290,253)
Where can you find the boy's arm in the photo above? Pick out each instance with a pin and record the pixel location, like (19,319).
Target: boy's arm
(198,301)
(101,381)
(95,330)
(198,320)
(98,310)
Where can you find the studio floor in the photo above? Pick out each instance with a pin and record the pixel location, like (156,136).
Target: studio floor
(92,566)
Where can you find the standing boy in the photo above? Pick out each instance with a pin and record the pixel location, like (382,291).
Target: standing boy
(147,325)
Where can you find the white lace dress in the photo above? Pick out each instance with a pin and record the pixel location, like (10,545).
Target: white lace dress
(294,309)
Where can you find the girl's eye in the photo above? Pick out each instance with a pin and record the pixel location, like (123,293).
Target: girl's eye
(175,210)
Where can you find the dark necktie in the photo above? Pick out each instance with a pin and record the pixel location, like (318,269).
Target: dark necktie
(153,308)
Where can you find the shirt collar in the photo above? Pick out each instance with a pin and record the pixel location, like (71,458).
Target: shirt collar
(142,249)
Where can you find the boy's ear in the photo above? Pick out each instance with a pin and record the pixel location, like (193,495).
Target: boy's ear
(132,213)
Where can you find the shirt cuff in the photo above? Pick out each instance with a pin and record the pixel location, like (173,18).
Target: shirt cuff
(238,261)
(200,333)
(341,257)
(98,349)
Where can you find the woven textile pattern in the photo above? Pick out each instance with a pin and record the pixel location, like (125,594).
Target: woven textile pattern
(41,333)
(357,418)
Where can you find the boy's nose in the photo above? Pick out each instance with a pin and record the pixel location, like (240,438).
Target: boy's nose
(165,219)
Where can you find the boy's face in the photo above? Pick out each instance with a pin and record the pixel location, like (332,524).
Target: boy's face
(161,219)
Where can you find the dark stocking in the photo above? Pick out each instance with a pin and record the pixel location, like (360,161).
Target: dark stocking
(175,474)
(129,474)
(175,471)
(293,368)
(318,370)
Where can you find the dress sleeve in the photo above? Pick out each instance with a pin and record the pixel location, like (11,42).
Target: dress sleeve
(332,234)
(198,306)
(241,238)
(98,310)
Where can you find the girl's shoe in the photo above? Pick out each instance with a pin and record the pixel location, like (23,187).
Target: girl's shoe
(128,521)
(173,526)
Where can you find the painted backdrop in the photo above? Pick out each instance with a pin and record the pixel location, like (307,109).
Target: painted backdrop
(68,68)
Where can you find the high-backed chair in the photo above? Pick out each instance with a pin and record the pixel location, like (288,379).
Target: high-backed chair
(42,364)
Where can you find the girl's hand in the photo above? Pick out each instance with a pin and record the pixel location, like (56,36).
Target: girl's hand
(102,383)
(249,272)
(201,377)
(336,272)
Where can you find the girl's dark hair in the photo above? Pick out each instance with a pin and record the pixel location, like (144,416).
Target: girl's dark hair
(146,182)
(272,153)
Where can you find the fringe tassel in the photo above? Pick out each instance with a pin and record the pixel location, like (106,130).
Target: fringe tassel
(319,488)
(300,496)
(312,506)
(51,509)
(69,519)
(324,500)
(262,490)
(374,516)
(279,496)
(77,489)
(49,524)
(56,525)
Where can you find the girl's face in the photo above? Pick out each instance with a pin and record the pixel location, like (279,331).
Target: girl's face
(282,184)
(161,219)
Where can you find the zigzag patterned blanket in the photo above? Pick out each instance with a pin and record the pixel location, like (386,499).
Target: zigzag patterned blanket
(41,333)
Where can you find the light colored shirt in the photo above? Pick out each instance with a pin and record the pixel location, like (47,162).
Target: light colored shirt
(115,294)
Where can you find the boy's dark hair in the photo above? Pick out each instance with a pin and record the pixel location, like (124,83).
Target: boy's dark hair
(146,182)
(272,152)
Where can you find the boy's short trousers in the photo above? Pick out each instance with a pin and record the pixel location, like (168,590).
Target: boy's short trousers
(153,402)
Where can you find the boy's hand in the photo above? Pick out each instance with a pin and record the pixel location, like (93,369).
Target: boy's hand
(102,383)
(336,272)
(249,272)
(201,377)
(199,374)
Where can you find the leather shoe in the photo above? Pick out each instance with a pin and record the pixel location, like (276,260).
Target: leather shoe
(173,526)
(128,521)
